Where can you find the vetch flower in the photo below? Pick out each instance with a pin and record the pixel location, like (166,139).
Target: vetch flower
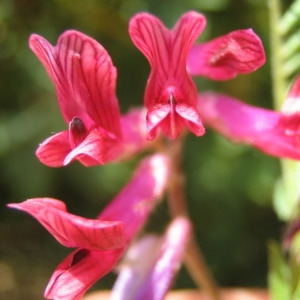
(170,94)
(85,81)
(275,133)
(101,242)
(151,278)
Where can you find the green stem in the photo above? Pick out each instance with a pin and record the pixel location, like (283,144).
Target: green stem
(279,84)
(283,67)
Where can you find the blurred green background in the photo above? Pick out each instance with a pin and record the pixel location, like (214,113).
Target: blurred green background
(229,187)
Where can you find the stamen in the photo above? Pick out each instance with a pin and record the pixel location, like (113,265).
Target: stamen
(77,131)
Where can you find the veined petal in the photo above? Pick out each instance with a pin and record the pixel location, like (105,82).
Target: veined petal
(99,147)
(166,50)
(79,271)
(169,83)
(152,278)
(192,118)
(53,150)
(269,131)
(71,230)
(84,77)
(137,199)
(172,119)
(238,52)
(155,119)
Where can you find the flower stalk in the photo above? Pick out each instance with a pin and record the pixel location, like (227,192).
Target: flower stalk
(279,84)
(194,260)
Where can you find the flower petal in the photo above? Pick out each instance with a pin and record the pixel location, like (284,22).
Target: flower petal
(99,147)
(166,50)
(160,278)
(151,278)
(169,83)
(269,131)
(137,199)
(133,269)
(84,77)
(238,52)
(53,150)
(71,230)
(79,271)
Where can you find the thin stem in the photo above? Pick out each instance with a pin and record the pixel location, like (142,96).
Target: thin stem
(194,260)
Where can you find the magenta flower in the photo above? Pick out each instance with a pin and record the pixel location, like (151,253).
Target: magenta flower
(101,242)
(275,133)
(151,278)
(170,94)
(85,81)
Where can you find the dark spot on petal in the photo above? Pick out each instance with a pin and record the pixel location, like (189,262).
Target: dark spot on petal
(77,126)
(78,256)
(77,131)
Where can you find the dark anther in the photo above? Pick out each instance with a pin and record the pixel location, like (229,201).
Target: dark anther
(78,130)
(78,256)
(77,125)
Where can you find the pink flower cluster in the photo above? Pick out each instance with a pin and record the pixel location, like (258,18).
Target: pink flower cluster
(85,80)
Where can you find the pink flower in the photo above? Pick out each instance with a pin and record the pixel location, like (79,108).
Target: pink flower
(151,278)
(275,133)
(100,242)
(238,52)
(85,81)
(170,94)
